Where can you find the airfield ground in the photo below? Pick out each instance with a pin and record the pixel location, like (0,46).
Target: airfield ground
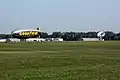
(60,61)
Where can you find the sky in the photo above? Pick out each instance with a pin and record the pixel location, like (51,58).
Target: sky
(60,15)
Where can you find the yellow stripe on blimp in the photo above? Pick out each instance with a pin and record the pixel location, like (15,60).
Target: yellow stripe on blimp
(29,33)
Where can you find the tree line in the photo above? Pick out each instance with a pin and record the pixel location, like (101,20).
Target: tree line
(74,36)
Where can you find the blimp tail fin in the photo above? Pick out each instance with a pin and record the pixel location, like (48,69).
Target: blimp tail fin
(39,30)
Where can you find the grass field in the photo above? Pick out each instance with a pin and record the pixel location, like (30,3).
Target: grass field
(60,61)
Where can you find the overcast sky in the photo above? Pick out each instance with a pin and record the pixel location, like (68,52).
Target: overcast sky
(60,15)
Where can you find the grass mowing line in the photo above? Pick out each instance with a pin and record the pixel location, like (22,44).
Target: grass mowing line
(14,52)
(22,52)
(34,51)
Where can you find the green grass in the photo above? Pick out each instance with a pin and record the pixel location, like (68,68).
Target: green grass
(60,61)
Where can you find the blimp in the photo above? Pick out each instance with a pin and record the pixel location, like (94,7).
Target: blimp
(26,33)
(100,35)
